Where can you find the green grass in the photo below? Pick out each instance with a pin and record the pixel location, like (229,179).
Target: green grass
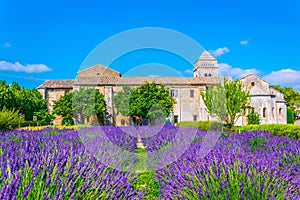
(146,179)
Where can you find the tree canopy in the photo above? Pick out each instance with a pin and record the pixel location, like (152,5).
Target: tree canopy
(148,101)
(86,102)
(26,101)
(226,101)
(121,100)
(63,106)
(291,96)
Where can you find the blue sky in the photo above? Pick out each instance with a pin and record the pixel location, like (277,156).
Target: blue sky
(42,40)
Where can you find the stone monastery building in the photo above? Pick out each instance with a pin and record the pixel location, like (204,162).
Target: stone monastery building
(267,102)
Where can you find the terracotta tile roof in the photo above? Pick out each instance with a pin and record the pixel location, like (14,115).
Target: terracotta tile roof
(98,70)
(57,84)
(106,80)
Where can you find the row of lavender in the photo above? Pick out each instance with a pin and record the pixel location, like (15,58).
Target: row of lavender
(93,163)
(55,164)
(252,165)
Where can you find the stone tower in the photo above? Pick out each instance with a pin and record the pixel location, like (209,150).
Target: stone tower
(206,66)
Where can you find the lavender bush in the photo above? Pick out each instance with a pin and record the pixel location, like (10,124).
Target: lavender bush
(90,163)
(54,164)
(253,165)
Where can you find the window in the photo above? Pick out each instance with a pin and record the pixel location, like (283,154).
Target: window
(191,93)
(273,113)
(175,119)
(280,113)
(264,112)
(195,117)
(122,122)
(67,91)
(209,74)
(252,84)
(174,93)
(205,75)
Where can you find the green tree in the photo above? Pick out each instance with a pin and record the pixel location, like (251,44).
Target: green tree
(290,116)
(150,101)
(253,117)
(227,101)
(32,101)
(44,116)
(121,100)
(25,100)
(88,102)
(6,96)
(291,96)
(63,106)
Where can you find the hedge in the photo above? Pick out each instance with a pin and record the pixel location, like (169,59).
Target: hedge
(289,130)
(203,125)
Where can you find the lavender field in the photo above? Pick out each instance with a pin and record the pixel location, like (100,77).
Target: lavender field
(79,164)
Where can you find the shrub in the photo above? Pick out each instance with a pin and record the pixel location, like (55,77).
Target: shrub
(289,130)
(290,117)
(44,116)
(203,125)
(9,119)
(67,121)
(253,117)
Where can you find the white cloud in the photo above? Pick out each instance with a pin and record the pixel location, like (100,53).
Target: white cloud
(29,68)
(6,45)
(188,71)
(284,77)
(219,51)
(244,42)
(228,70)
(153,75)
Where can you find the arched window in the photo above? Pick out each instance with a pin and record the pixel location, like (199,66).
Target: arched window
(205,75)
(252,84)
(209,74)
(264,112)
(280,113)
(122,122)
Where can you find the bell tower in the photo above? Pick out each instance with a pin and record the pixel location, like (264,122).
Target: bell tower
(206,66)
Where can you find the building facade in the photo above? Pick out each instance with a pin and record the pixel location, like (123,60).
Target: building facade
(189,106)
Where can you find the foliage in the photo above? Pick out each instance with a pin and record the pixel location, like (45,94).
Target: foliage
(290,116)
(9,119)
(34,124)
(227,101)
(121,100)
(288,130)
(256,143)
(25,100)
(291,96)
(44,116)
(202,125)
(253,117)
(88,102)
(146,180)
(151,101)
(67,121)
(63,106)
(6,95)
